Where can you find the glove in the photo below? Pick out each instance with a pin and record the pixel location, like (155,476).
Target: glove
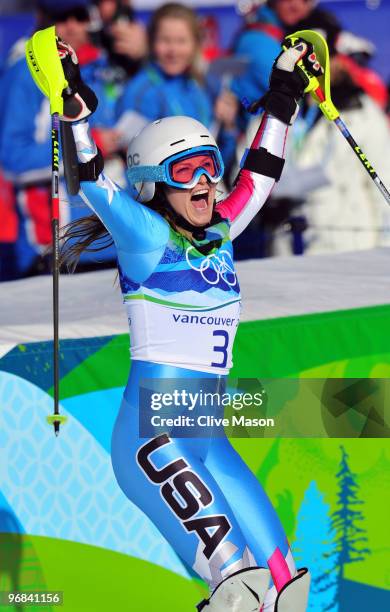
(79,99)
(288,82)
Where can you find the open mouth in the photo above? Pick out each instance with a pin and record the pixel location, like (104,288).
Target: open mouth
(200,199)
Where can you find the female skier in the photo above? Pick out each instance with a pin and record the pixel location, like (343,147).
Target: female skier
(175,256)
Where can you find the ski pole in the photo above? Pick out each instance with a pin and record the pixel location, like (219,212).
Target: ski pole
(55,121)
(319,88)
(46,69)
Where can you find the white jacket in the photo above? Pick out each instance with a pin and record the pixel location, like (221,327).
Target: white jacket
(349,213)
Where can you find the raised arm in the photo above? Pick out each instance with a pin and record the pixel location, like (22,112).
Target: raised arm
(134,227)
(253,187)
(140,234)
(263,162)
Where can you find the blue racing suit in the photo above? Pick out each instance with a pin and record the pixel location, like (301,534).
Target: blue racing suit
(183,304)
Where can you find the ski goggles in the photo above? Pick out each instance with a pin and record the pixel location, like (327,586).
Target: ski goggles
(182,170)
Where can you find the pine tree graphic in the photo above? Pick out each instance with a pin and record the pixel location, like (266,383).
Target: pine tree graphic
(315,548)
(351,538)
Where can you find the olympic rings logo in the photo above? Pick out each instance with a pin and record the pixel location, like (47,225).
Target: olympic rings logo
(214,267)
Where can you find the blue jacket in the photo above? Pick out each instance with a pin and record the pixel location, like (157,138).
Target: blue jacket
(261,46)
(25,151)
(154,95)
(25,148)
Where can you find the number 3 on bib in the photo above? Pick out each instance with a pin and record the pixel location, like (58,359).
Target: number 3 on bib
(221,349)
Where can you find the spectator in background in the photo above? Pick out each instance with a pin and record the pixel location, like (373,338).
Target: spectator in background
(353,51)
(8,215)
(324,197)
(260,39)
(211,44)
(9,226)
(19,131)
(348,213)
(171,82)
(8,231)
(114,28)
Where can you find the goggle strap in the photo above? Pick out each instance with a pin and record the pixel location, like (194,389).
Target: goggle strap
(149,174)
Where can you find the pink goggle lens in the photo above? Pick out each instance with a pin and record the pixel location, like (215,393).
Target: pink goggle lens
(183,170)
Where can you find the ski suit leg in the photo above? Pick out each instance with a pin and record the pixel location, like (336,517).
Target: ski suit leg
(254,512)
(168,480)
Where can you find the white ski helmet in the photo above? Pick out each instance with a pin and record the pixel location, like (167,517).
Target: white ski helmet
(151,151)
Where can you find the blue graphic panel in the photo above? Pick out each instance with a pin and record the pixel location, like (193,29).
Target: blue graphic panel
(65,487)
